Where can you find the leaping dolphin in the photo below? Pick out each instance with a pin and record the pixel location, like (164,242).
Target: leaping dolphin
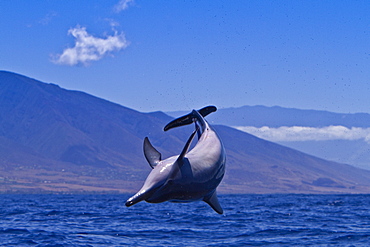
(190,176)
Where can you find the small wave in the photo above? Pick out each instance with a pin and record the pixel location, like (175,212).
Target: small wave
(14,231)
(352,237)
(287,220)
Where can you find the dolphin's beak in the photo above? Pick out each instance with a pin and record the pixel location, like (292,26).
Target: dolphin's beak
(140,196)
(129,203)
(135,199)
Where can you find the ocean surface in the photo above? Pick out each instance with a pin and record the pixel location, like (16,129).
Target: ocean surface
(254,220)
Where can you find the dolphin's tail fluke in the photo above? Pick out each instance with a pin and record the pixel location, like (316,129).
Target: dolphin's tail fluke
(188,119)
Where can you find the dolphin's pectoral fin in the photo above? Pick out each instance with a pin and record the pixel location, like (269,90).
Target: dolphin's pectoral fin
(151,154)
(188,119)
(214,203)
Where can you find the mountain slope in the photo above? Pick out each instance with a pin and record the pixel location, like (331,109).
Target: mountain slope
(57,140)
(73,131)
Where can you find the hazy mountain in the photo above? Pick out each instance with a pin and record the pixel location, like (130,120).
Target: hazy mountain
(350,150)
(277,116)
(58,140)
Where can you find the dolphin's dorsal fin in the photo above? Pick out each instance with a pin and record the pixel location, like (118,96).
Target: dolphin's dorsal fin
(188,119)
(151,154)
(214,203)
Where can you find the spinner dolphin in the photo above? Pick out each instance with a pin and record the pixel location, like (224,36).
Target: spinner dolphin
(193,175)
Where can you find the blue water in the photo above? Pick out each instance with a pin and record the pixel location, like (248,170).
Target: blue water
(255,220)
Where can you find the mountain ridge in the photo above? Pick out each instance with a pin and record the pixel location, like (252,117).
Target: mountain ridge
(277,116)
(54,140)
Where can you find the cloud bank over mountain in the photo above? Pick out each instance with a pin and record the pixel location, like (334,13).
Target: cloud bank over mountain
(301,133)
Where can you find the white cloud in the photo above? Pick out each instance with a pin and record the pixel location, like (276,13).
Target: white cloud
(48,18)
(112,22)
(89,48)
(299,133)
(122,5)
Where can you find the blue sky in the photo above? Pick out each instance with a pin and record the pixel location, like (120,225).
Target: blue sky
(179,55)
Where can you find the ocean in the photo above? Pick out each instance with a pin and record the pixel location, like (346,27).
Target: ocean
(249,220)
